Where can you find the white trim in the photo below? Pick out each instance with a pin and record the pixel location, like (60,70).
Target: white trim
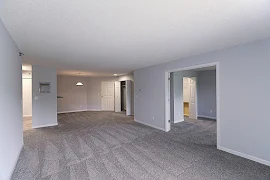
(196,95)
(208,117)
(262,161)
(93,109)
(218,101)
(178,121)
(15,163)
(167,104)
(83,110)
(150,125)
(193,67)
(27,115)
(46,125)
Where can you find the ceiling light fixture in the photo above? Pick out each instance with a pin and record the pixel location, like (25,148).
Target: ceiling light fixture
(115,74)
(79,83)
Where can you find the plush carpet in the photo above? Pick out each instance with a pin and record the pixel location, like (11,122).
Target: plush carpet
(107,145)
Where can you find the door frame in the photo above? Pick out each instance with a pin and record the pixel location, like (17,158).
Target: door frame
(117,96)
(167,93)
(129,104)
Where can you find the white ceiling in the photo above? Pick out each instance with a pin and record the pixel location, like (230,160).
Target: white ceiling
(104,37)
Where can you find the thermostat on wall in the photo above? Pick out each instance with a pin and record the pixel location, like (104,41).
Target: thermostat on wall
(44,87)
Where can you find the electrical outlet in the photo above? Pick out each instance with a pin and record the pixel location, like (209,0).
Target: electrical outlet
(211,111)
(153,117)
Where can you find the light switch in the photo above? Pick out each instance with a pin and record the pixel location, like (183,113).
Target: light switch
(36,97)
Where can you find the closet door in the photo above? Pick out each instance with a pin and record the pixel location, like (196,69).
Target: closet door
(117,95)
(185,89)
(192,98)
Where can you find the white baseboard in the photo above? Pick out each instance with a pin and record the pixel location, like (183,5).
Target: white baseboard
(15,163)
(46,125)
(84,110)
(178,121)
(27,115)
(150,125)
(62,112)
(262,161)
(208,117)
(94,109)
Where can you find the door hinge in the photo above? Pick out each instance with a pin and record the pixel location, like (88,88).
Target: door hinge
(169,78)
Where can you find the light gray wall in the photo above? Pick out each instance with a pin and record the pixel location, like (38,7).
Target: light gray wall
(178,106)
(75,97)
(206,91)
(44,111)
(11,128)
(243,79)
(94,91)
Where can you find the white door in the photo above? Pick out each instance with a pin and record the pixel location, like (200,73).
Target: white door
(107,96)
(129,98)
(192,98)
(117,95)
(186,89)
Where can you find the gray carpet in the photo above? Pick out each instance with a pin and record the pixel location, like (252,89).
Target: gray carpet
(106,145)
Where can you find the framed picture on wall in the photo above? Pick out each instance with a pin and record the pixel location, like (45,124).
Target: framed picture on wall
(44,87)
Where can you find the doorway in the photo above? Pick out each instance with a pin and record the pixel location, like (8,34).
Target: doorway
(125,100)
(27,99)
(175,109)
(190,97)
(123,96)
